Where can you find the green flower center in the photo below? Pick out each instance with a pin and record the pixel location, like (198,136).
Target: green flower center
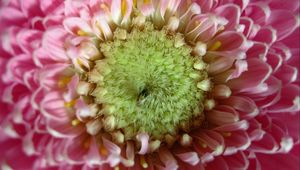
(146,82)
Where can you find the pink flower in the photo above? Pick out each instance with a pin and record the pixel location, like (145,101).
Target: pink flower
(154,84)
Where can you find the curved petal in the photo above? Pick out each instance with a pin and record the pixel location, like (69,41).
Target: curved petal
(258,72)
(284,22)
(231,12)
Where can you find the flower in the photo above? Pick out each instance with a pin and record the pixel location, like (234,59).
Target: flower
(157,84)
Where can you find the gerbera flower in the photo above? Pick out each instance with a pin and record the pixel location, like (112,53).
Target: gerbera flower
(152,84)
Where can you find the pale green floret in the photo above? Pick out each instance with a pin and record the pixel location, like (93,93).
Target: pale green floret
(147,83)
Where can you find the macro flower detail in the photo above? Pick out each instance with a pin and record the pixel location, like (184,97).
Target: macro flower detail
(149,84)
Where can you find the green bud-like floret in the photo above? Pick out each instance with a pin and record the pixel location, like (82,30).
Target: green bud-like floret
(146,82)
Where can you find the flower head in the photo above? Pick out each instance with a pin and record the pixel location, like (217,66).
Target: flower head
(153,84)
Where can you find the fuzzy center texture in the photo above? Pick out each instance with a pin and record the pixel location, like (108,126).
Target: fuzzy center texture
(148,82)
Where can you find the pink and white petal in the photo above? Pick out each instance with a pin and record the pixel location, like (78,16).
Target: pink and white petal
(144,139)
(274,60)
(127,13)
(77,26)
(241,125)
(241,3)
(167,159)
(17,66)
(271,86)
(31,8)
(240,67)
(289,101)
(287,74)
(292,44)
(54,43)
(53,106)
(52,6)
(130,155)
(292,128)
(236,141)
(29,39)
(266,145)
(191,158)
(63,128)
(231,12)
(208,144)
(255,130)
(14,92)
(111,147)
(172,8)
(259,12)
(289,5)
(50,75)
(9,41)
(52,21)
(247,24)
(229,40)
(199,26)
(245,106)
(191,11)
(237,161)
(9,148)
(284,22)
(222,115)
(11,16)
(266,35)
(220,65)
(258,50)
(75,150)
(206,5)
(147,9)
(258,72)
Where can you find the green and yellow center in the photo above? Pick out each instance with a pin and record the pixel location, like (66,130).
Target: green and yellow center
(147,82)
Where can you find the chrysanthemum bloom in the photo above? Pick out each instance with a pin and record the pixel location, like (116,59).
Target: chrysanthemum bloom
(149,84)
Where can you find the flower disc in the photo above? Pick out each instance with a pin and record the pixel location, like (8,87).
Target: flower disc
(146,82)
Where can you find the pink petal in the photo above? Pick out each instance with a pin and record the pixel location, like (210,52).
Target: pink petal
(29,39)
(289,5)
(258,12)
(266,145)
(287,74)
(74,24)
(222,115)
(289,101)
(248,25)
(11,16)
(63,128)
(231,13)
(75,150)
(206,5)
(258,50)
(167,159)
(246,107)
(31,8)
(52,6)
(274,60)
(257,73)
(211,144)
(218,163)
(53,43)
(189,157)
(144,139)
(266,35)
(237,161)
(279,161)
(220,65)
(284,22)
(238,140)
